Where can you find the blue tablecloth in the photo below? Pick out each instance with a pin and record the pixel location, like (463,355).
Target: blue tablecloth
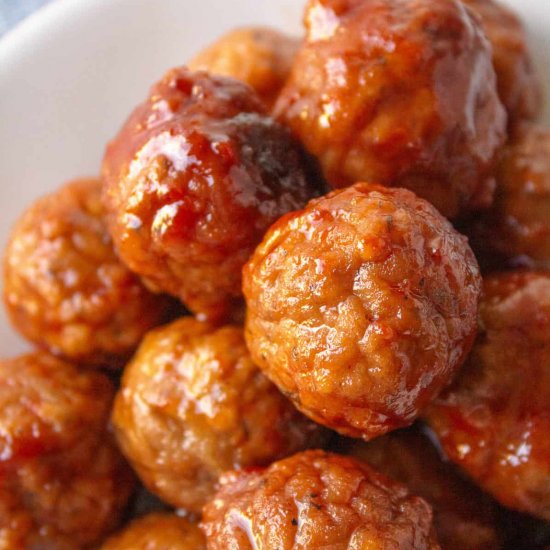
(13,11)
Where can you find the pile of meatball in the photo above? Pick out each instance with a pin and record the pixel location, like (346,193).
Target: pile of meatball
(304,306)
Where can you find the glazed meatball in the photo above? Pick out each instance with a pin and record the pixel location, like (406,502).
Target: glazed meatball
(494,420)
(516,230)
(361,307)
(64,287)
(193,180)
(518,85)
(464,518)
(259,56)
(158,532)
(400,92)
(316,500)
(192,405)
(63,484)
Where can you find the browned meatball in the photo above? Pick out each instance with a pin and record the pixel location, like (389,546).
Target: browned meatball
(494,420)
(316,501)
(517,228)
(193,180)
(518,85)
(192,405)
(64,287)
(259,56)
(158,532)
(361,307)
(401,92)
(464,518)
(63,484)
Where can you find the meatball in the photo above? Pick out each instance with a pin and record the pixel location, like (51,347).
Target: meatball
(494,420)
(518,85)
(361,307)
(401,92)
(63,484)
(193,180)
(192,405)
(516,230)
(316,500)
(158,532)
(464,518)
(64,287)
(259,56)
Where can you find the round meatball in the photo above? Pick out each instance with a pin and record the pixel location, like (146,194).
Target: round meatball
(63,484)
(494,420)
(316,500)
(361,307)
(259,56)
(401,92)
(64,287)
(518,85)
(193,180)
(516,230)
(192,405)
(158,532)
(464,517)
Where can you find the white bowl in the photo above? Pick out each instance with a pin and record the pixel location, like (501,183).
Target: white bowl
(71,73)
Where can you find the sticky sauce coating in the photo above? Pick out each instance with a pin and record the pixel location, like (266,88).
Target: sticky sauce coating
(158,532)
(64,287)
(401,92)
(192,182)
(63,484)
(361,307)
(516,230)
(518,85)
(464,517)
(260,56)
(495,419)
(316,500)
(192,405)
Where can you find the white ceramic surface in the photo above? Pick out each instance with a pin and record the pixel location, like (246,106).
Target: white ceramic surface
(70,74)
